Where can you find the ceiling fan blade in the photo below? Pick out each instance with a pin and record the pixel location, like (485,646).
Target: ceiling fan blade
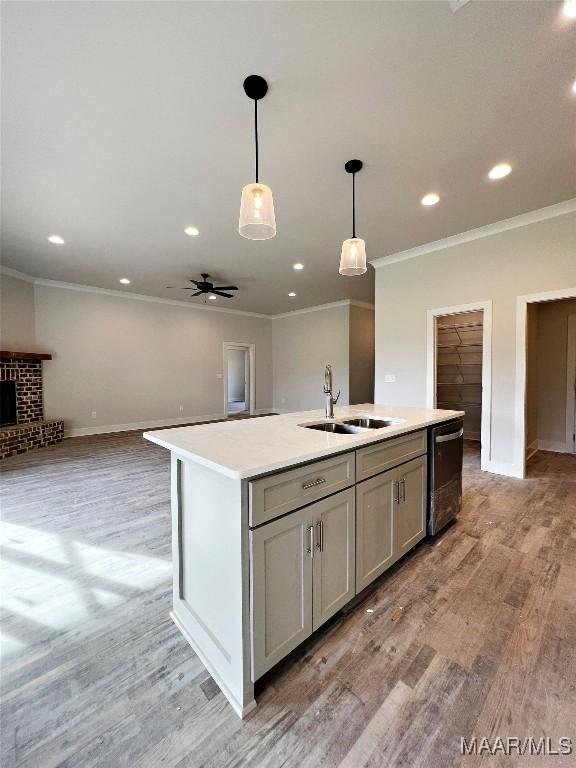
(221,293)
(187,289)
(225,288)
(198,293)
(196,282)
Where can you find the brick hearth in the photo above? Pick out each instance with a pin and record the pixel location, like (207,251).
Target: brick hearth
(31,430)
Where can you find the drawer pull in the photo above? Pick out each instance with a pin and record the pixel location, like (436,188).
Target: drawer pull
(313,483)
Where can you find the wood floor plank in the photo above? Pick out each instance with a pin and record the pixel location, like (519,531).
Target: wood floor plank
(474,633)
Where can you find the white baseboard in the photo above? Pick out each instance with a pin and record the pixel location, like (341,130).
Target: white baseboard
(531,449)
(556,446)
(134,425)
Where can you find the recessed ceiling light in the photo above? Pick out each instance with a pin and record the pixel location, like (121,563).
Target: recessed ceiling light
(569,9)
(431,199)
(56,239)
(212,297)
(192,231)
(298,266)
(499,171)
(291,294)
(574,87)
(124,281)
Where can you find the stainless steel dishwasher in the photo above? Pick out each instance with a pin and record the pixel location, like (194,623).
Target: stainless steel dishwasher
(445,455)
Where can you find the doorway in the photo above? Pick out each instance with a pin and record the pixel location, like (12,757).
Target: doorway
(239,391)
(524,307)
(550,376)
(459,368)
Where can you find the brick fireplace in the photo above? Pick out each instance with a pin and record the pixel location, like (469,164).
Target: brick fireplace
(30,429)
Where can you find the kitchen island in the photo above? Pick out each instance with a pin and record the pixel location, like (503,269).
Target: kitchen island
(277,524)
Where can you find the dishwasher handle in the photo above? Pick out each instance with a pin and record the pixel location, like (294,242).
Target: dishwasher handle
(449,436)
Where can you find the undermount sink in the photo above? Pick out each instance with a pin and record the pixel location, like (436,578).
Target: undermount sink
(355,426)
(367,422)
(337,428)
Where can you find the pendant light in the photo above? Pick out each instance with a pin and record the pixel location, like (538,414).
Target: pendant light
(353,256)
(257,220)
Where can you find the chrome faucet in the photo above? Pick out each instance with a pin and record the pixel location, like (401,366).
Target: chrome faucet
(330,400)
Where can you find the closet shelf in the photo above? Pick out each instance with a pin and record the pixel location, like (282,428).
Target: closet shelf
(459,384)
(457,346)
(455,404)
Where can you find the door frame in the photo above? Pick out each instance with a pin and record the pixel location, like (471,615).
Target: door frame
(519,467)
(431,339)
(251,357)
(571,385)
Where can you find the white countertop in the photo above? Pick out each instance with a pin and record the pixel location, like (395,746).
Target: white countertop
(245,448)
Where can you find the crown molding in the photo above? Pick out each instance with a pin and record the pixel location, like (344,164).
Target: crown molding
(532,217)
(319,307)
(18,275)
(124,295)
(173,302)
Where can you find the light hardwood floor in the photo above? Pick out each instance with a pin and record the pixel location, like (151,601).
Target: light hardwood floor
(472,634)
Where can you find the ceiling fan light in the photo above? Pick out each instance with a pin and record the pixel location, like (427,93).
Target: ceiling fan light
(353,257)
(257,220)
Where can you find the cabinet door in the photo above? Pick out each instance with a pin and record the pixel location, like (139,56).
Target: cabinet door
(375,551)
(333,565)
(281,588)
(410,512)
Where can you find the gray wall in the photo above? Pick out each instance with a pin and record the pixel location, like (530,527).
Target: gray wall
(302,346)
(136,361)
(361,355)
(535,258)
(17,323)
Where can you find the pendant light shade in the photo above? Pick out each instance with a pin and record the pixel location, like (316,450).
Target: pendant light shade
(353,256)
(257,219)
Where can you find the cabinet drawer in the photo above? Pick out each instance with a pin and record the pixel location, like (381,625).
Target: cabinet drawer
(278,494)
(378,458)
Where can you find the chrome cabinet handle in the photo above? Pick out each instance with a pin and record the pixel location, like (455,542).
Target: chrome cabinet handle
(313,483)
(403,486)
(320,542)
(310,547)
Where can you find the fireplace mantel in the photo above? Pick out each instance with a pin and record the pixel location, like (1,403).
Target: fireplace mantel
(25,355)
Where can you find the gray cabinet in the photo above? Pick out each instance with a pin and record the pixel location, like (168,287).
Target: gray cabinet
(390,518)
(375,545)
(275,495)
(410,511)
(302,573)
(333,576)
(281,588)
(308,563)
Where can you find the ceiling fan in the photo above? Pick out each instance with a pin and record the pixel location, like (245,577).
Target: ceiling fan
(205,287)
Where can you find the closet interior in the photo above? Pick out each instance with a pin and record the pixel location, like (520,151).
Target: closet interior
(459,367)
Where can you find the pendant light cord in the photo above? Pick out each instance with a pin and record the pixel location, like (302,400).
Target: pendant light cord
(354,205)
(256,134)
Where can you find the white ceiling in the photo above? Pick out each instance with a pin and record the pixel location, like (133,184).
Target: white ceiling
(124,122)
